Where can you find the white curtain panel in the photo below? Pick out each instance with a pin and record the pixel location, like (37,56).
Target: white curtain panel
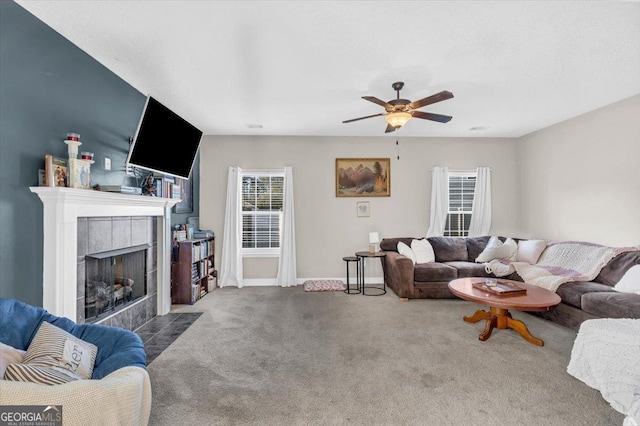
(287,275)
(439,201)
(481,210)
(231,259)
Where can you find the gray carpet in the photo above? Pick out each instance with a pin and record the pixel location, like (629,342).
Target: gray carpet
(275,356)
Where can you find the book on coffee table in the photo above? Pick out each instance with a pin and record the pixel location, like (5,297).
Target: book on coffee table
(501,288)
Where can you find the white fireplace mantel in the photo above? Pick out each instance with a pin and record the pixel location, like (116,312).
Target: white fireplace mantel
(62,208)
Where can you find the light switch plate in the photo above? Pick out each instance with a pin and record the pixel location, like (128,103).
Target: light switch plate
(107,163)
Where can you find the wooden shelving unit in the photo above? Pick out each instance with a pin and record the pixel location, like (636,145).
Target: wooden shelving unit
(191,270)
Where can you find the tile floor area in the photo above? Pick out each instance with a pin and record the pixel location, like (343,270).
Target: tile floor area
(158,333)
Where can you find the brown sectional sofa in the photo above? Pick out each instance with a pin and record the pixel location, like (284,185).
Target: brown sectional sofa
(455,258)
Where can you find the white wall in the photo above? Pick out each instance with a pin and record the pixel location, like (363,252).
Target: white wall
(580,179)
(327,227)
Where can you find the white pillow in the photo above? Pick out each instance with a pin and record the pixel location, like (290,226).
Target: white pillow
(630,281)
(423,251)
(530,250)
(9,355)
(496,249)
(405,250)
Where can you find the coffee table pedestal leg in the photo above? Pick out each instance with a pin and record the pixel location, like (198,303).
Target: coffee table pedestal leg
(501,318)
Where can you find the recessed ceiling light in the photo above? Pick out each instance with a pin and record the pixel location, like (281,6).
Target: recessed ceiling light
(254,126)
(479,128)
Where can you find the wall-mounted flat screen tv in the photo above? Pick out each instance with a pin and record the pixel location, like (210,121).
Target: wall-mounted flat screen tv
(164,142)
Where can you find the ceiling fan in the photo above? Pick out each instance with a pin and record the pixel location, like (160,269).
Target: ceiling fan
(399,111)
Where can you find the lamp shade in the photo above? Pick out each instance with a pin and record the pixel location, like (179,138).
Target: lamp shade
(397,119)
(374,238)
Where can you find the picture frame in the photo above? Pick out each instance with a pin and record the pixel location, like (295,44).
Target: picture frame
(363,177)
(363,208)
(186,197)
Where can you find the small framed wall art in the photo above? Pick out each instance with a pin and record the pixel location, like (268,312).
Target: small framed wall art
(363,208)
(363,177)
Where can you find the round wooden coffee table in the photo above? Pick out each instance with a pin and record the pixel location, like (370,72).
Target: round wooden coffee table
(536,299)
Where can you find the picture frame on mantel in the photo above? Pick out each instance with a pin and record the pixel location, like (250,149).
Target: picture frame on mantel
(186,197)
(363,177)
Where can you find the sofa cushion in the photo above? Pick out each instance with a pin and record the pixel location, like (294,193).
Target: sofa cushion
(469,269)
(612,304)
(423,251)
(475,246)
(496,249)
(630,281)
(406,251)
(530,250)
(617,267)
(449,249)
(391,244)
(571,293)
(434,272)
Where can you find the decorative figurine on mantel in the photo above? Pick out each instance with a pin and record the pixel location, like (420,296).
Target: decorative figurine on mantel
(149,188)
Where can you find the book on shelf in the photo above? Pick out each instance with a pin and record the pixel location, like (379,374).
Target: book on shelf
(55,171)
(500,288)
(180,235)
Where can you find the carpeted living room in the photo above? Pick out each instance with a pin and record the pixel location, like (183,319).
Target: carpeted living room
(320,213)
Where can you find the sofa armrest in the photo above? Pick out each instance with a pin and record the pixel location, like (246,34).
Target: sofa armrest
(128,391)
(398,273)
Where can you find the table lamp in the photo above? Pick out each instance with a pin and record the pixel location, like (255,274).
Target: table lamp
(374,242)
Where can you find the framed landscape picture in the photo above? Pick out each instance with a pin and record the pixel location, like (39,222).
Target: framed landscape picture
(363,177)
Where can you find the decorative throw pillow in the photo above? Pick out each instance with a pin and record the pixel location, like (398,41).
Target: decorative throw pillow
(9,355)
(423,251)
(530,250)
(54,347)
(405,250)
(630,281)
(45,375)
(496,249)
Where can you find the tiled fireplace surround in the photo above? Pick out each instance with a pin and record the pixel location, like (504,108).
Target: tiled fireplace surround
(79,222)
(100,234)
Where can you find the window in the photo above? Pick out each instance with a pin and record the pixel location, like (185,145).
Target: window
(262,199)
(461,189)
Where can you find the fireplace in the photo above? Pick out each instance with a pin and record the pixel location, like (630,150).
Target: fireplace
(114,280)
(77,222)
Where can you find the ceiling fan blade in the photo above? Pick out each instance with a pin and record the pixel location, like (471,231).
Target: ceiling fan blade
(438,97)
(378,101)
(433,117)
(390,128)
(362,118)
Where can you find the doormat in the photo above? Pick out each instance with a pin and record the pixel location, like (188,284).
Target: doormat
(323,285)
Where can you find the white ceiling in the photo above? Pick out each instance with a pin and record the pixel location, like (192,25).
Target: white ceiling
(301,67)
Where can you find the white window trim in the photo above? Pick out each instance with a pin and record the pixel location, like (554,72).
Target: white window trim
(261,252)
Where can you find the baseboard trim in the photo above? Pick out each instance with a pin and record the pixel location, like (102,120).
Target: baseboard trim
(271,282)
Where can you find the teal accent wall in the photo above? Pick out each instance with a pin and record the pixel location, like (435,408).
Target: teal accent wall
(48,88)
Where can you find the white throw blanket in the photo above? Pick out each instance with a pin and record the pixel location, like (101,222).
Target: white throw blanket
(605,356)
(560,263)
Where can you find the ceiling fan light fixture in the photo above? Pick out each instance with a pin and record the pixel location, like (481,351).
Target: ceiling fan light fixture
(397,119)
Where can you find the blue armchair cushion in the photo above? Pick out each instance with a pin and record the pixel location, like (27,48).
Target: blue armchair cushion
(117,347)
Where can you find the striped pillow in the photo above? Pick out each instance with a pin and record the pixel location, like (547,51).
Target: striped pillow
(54,347)
(39,374)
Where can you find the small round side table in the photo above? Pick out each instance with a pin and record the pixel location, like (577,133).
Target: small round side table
(349,259)
(362,255)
